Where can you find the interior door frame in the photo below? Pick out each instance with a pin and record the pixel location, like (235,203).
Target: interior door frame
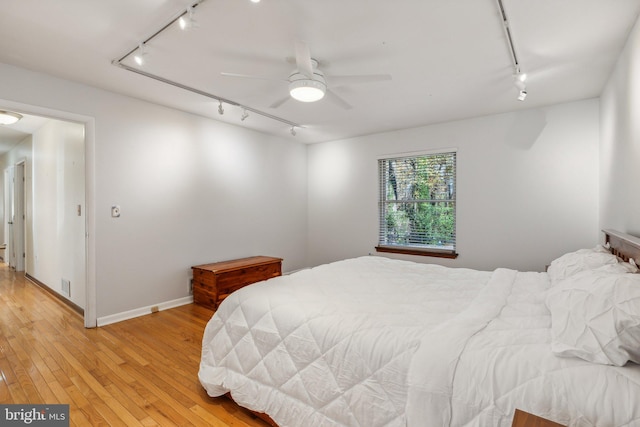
(8,215)
(90,309)
(14,214)
(18,220)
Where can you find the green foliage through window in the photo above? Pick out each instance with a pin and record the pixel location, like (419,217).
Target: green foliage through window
(418,202)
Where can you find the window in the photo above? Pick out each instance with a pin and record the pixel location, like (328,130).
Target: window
(418,204)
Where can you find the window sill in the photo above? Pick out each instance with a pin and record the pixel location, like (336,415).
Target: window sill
(419,252)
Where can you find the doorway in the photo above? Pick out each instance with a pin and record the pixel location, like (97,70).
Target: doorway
(14,214)
(80,211)
(84,246)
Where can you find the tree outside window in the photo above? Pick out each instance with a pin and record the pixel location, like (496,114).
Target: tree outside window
(418,204)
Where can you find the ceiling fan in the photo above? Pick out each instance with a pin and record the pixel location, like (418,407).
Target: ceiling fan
(307,83)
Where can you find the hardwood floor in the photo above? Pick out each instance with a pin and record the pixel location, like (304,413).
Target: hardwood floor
(140,372)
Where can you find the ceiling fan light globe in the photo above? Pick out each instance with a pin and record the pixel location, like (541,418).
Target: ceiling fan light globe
(307,90)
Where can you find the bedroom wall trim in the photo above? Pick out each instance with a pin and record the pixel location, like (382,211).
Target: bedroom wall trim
(143,311)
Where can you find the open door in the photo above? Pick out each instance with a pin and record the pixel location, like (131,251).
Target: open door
(18,250)
(8,213)
(14,213)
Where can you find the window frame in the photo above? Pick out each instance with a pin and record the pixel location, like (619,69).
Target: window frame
(421,250)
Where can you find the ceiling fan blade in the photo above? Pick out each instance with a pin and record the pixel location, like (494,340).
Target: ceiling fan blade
(357,79)
(248,76)
(334,98)
(303,59)
(279,102)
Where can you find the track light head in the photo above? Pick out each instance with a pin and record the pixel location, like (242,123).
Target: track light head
(220,109)
(522,95)
(520,78)
(182,23)
(244,115)
(293,130)
(187,21)
(140,53)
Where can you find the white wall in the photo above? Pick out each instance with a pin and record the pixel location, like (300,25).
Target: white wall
(194,190)
(527,187)
(56,231)
(191,190)
(620,146)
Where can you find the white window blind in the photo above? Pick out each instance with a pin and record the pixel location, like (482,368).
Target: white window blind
(418,202)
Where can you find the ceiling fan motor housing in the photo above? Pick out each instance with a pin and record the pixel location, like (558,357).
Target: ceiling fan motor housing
(304,89)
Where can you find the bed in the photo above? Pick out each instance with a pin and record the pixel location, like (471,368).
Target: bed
(373,341)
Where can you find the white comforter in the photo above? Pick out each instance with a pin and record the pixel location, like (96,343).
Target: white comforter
(379,342)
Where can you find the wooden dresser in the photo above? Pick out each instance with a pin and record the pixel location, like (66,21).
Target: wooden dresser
(214,282)
(525,419)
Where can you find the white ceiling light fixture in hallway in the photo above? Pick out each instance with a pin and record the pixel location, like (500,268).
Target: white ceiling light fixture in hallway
(9,117)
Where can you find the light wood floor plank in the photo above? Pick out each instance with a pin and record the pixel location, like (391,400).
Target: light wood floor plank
(78,419)
(17,394)
(140,372)
(5,394)
(79,403)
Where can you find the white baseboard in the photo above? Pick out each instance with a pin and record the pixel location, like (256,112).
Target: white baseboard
(143,311)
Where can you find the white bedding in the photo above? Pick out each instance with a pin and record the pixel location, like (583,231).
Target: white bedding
(378,342)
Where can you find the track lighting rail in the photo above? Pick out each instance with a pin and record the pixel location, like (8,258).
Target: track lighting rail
(507,31)
(167,25)
(119,63)
(519,76)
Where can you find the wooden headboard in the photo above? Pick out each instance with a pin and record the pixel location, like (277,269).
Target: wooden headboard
(623,245)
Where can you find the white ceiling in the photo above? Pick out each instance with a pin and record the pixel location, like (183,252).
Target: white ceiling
(448,59)
(11,135)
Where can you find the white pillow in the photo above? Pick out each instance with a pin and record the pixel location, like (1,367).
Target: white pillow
(595,315)
(580,260)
